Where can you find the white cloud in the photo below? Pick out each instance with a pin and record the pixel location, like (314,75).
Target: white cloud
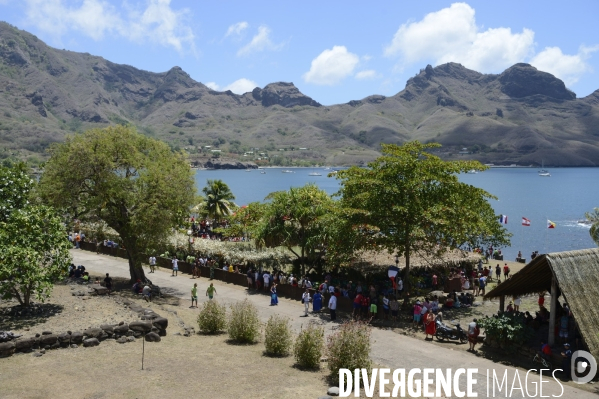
(367,74)
(156,23)
(240,86)
(331,66)
(568,68)
(260,42)
(237,28)
(451,34)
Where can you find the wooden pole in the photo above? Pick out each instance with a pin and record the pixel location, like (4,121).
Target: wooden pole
(502,303)
(552,310)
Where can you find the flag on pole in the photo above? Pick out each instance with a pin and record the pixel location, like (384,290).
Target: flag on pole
(550,224)
(525,222)
(503,219)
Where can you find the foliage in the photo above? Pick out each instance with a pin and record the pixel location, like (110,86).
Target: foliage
(294,219)
(593,217)
(212,317)
(409,201)
(349,347)
(14,189)
(34,253)
(506,328)
(277,336)
(135,184)
(309,346)
(244,324)
(217,201)
(244,220)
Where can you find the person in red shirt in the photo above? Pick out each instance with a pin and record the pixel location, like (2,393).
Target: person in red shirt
(357,305)
(545,351)
(506,272)
(435,283)
(541,299)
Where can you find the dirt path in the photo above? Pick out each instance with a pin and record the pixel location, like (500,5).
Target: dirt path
(389,349)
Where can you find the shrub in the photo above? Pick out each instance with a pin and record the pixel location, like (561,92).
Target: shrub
(277,337)
(349,348)
(244,325)
(507,328)
(309,346)
(212,317)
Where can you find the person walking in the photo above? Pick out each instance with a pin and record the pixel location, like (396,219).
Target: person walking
(306,301)
(506,272)
(498,273)
(333,306)
(473,333)
(175,267)
(210,291)
(274,299)
(194,295)
(152,264)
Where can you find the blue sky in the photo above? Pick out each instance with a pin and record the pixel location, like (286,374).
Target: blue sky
(333,51)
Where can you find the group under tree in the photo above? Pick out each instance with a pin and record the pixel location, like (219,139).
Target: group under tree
(409,201)
(137,185)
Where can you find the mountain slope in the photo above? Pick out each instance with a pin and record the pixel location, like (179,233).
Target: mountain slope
(520,116)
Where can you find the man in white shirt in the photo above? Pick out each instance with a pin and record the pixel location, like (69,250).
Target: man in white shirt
(175,266)
(333,307)
(306,301)
(266,281)
(152,264)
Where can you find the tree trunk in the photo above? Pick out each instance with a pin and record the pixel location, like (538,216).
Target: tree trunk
(136,270)
(303,263)
(407,284)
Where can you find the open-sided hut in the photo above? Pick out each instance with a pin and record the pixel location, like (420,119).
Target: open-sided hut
(574,274)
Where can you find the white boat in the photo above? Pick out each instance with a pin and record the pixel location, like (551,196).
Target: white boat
(286,171)
(472,171)
(262,172)
(545,174)
(314,174)
(248,170)
(543,171)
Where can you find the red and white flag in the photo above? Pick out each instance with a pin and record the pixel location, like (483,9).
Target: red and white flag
(525,222)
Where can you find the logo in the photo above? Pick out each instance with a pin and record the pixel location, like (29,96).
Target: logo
(584,367)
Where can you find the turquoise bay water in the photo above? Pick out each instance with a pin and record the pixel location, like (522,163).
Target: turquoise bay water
(562,198)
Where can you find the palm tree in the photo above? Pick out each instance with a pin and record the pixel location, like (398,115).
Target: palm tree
(593,217)
(217,201)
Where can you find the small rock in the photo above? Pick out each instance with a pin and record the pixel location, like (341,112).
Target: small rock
(122,340)
(42,351)
(91,342)
(325,397)
(37,354)
(152,337)
(74,346)
(333,391)
(131,339)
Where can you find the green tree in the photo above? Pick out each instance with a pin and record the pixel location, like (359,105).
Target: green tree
(34,249)
(217,201)
(593,217)
(244,221)
(294,219)
(409,201)
(135,184)
(34,253)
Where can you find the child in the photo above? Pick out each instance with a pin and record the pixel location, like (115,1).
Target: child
(194,295)
(210,291)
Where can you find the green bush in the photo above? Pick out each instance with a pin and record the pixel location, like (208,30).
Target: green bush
(507,328)
(212,317)
(309,346)
(349,348)
(277,336)
(244,325)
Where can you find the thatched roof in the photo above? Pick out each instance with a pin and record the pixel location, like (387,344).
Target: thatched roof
(372,261)
(577,275)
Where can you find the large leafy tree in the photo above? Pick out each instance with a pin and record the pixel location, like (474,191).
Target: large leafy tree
(593,217)
(294,218)
(217,202)
(34,249)
(135,184)
(409,201)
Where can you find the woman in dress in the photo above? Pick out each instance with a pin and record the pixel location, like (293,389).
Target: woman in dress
(317,302)
(274,299)
(429,324)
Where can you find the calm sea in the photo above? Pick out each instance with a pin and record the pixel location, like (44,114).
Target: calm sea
(562,198)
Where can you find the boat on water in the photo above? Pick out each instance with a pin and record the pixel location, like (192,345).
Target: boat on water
(472,172)
(286,171)
(262,172)
(248,170)
(545,174)
(314,174)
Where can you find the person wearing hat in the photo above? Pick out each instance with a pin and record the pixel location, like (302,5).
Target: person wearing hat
(566,360)
(510,307)
(473,333)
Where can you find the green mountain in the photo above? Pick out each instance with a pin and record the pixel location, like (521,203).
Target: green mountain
(521,116)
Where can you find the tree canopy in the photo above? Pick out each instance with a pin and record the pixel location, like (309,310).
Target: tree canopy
(217,201)
(409,200)
(593,217)
(135,184)
(294,218)
(34,249)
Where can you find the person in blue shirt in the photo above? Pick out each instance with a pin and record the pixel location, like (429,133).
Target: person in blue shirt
(317,302)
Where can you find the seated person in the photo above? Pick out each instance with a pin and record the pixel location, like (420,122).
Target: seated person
(528,317)
(86,277)
(147,293)
(545,351)
(449,302)
(137,287)
(78,273)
